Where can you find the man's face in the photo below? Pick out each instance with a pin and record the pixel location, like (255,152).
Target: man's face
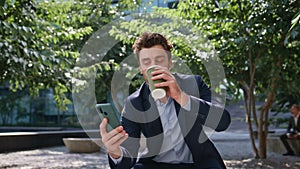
(294,110)
(156,55)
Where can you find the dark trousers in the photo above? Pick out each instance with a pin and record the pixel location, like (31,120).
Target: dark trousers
(209,164)
(288,148)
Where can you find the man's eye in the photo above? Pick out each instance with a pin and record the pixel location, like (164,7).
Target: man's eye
(159,60)
(146,62)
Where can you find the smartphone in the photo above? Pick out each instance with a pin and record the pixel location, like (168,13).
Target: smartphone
(106,110)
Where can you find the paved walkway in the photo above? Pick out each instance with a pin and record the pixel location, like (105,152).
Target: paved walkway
(59,157)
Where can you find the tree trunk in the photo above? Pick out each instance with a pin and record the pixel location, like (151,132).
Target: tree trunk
(262,135)
(248,103)
(254,112)
(249,100)
(264,123)
(264,113)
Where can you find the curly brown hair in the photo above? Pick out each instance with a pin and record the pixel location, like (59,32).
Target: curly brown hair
(149,39)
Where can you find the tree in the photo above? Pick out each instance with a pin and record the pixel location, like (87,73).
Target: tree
(41,40)
(250,37)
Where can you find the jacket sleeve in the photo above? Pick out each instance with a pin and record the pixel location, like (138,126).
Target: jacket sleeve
(210,114)
(207,110)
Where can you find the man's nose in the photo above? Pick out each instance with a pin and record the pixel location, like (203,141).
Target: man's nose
(151,64)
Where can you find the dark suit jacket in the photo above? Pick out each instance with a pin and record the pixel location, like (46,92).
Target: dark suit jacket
(292,125)
(140,115)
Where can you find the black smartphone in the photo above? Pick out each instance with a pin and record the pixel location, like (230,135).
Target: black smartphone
(108,111)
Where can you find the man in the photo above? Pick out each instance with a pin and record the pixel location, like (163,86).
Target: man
(173,125)
(292,130)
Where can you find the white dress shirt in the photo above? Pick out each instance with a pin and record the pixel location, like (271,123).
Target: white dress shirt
(174,149)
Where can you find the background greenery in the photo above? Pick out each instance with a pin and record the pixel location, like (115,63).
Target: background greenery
(40,42)
(257,42)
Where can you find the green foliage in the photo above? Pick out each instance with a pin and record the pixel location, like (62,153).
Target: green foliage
(40,41)
(244,31)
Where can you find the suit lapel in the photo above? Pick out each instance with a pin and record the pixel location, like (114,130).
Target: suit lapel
(177,105)
(152,120)
(152,126)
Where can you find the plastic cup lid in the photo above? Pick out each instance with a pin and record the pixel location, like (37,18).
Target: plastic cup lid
(158,93)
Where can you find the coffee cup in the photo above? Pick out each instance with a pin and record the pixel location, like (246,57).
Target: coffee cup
(156,93)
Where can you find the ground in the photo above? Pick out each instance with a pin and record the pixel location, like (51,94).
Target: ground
(234,147)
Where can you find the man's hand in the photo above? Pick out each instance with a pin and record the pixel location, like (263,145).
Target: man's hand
(113,139)
(292,136)
(173,89)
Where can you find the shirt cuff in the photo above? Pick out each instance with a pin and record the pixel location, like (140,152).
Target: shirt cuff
(187,106)
(117,160)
